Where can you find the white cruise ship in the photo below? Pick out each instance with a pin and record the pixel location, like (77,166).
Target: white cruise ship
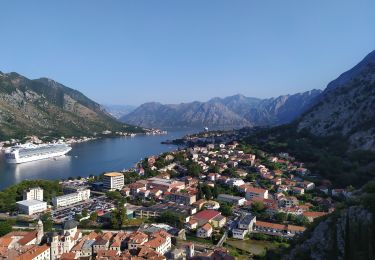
(30,152)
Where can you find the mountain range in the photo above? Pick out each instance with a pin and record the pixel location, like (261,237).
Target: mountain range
(346,107)
(118,111)
(229,112)
(45,107)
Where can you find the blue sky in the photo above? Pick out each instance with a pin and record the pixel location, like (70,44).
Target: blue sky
(130,52)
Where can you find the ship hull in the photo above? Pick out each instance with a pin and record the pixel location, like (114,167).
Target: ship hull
(37,157)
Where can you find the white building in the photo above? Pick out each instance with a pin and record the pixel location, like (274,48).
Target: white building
(205,231)
(252,192)
(231,199)
(239,233)
(113,181)
(71,198)
(31,207)
(33,194)
(235,182)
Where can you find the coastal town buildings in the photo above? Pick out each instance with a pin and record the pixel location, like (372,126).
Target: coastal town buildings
(113,181)
(33,194)
(71,198)
(32,206)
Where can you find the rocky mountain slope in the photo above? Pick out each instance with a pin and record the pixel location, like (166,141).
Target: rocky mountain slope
(45,107)
(230,112)
(119,111)
(347,107)
(348,233)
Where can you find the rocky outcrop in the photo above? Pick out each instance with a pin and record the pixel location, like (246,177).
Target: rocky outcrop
(348,235)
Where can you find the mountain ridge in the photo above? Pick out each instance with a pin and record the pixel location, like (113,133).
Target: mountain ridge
(346,107)
(45,107)
(228,112)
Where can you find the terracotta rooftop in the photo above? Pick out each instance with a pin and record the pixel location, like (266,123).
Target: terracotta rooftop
(269,225)
(255,190)
(206,227)
(295,228)
(28,237)
(33,252)
(207,214)
(314,214)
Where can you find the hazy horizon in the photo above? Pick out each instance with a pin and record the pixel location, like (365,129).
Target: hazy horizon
(132,52)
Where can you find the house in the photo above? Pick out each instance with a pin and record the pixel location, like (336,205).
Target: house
(282,188)
(231,199)
(278,229)
(298,190)
(160,241)
(233,182)
(213,176)
(181,198)
(246,222)
(307,185)
(269,228)
(295,230)
(199,204)
(302,171)
(157,209)
(137,239)
(100,244)
(218,221)
(205,231)
(36,252)
(232,164)
(239,233)
(192,224)
(205,216)
(252,192)
(288,201)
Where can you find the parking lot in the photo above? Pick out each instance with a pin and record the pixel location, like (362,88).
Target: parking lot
(94,204)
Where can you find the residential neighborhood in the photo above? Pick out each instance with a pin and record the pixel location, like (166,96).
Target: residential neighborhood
(208,194)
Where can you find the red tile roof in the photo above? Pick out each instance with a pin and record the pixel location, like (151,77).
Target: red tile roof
(207,214)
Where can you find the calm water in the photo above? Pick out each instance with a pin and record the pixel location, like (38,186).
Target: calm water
(92,157)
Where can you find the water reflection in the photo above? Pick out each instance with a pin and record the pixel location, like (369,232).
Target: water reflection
(89,158)
(32,170)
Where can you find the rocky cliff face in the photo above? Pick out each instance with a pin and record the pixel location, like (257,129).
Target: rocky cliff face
(347,107)
(346,236)
(229,112)
(45,107)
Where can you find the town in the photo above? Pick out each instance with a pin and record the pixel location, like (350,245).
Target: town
(196,202)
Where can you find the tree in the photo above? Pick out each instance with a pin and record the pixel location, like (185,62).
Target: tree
(47,222)
(281,216)
(94,216)
(5,228)
(193,169)
(257,206)
(78,217)
(170,218)
(215,191)
(207,192)
(302,221)
(200,194)
(119,216)
(84,212)
(225,209)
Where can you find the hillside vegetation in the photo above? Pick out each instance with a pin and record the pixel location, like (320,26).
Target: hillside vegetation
(44,107)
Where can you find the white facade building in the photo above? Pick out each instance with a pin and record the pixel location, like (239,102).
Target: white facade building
(33,194)
(31,207)
(71,198)
(113,181)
